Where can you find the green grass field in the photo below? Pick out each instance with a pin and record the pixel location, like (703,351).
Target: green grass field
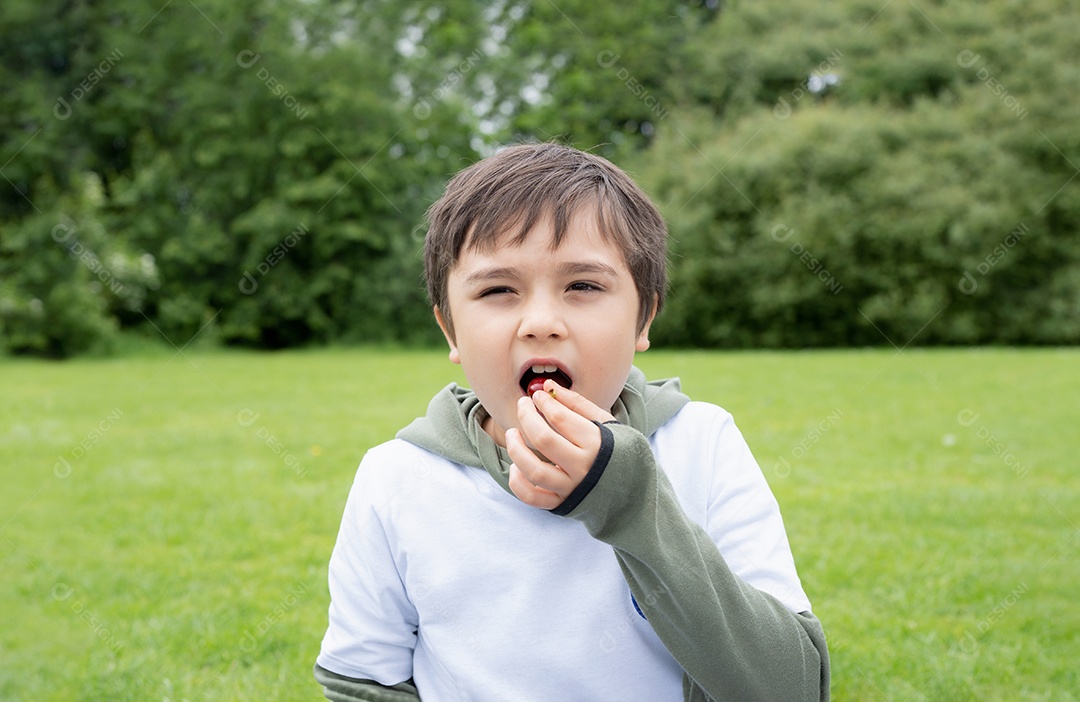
(165,523)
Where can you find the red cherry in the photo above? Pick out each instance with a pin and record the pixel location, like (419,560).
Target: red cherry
(536,385)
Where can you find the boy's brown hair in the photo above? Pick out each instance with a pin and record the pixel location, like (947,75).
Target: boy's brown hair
(520,185)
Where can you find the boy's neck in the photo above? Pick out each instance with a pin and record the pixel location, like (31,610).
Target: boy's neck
(493,430)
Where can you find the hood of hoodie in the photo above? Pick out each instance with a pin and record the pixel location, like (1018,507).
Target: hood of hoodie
(452,427)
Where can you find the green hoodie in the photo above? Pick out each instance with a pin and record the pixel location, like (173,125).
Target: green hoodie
(452,427)
(732,640)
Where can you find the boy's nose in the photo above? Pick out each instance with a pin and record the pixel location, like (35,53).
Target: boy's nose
(541,319)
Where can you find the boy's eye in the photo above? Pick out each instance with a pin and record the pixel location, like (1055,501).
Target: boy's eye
(499,290)
(582,286)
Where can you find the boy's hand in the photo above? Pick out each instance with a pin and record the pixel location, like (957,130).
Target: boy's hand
(562,429)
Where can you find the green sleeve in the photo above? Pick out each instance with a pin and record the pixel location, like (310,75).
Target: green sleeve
(732,640)
(338,688)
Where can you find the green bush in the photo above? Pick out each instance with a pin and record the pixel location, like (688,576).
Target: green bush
(64,282)
(925,195)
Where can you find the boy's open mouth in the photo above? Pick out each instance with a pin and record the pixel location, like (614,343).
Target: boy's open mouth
(532,380)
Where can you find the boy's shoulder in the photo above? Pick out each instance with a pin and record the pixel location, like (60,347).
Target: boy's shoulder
(397,472)
(696,416)
(396,457)
(701,442)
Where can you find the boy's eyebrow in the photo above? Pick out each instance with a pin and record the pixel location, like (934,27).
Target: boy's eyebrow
(485,274)
(568,268)
(582,267)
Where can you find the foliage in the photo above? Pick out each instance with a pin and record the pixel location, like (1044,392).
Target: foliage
(267,205)
(924,192)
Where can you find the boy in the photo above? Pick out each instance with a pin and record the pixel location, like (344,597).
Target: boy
(564,530)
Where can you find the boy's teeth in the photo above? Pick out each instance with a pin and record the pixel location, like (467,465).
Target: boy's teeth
(544,369)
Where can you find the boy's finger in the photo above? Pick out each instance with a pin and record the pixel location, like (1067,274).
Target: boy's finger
(554,430)
(571,425)
(530,494)
(543,479)
(545,433)
(577,402)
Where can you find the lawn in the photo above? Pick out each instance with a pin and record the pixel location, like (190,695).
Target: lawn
(165,521)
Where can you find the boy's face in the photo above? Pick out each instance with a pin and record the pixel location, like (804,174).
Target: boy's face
(516,307)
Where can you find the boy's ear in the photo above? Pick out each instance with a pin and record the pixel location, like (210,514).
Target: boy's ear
(643,337)
(455,357)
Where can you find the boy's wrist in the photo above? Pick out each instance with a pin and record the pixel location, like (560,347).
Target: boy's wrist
(600,463)
(628,474)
